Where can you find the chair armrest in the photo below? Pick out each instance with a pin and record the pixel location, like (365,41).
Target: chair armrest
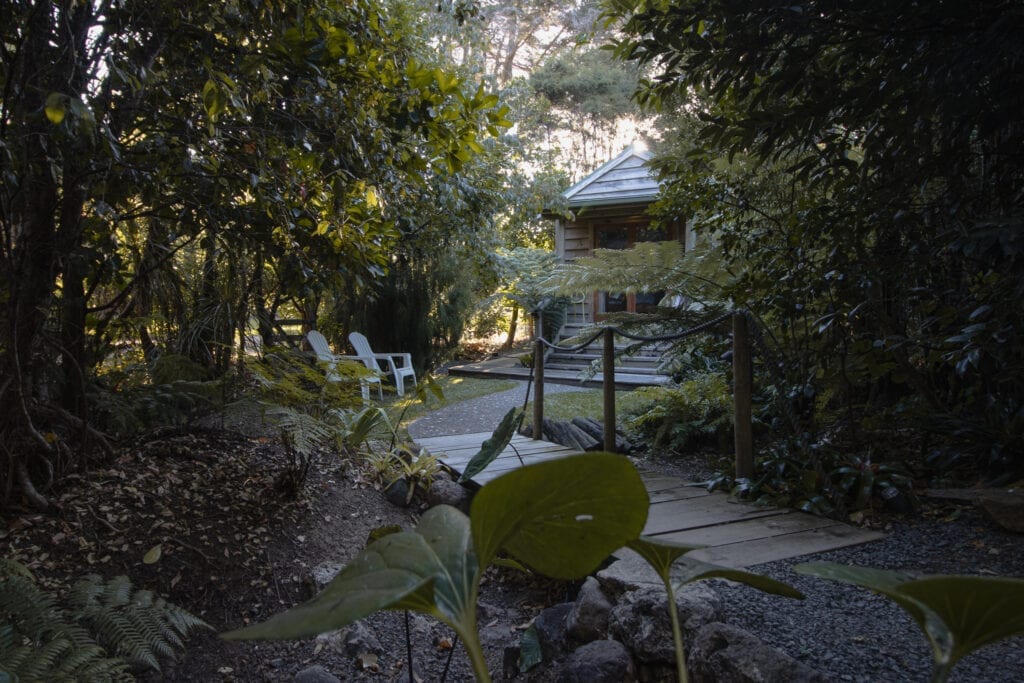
(389,357)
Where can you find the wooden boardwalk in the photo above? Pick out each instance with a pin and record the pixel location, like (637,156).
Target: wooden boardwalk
(735,534)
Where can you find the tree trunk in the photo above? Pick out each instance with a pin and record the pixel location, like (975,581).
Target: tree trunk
(513,327)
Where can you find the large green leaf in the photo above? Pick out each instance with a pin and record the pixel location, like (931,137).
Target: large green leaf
(561,517)
(492,447)
(430,570)
(695,570)
(957,613)
(659,554)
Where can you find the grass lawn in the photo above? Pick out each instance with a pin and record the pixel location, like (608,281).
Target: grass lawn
(588,403)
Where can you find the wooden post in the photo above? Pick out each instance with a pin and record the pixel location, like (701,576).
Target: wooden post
(608,371)
(742,388)
(538,387)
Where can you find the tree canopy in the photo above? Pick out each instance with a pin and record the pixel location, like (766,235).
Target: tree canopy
(861,165)
(168,170)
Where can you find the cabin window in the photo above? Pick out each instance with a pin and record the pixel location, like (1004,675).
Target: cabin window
(626,237)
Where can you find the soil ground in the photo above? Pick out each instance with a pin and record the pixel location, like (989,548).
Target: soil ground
(234,546)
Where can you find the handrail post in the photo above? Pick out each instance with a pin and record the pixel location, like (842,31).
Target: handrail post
(608,373)
(742,388)
(538,391)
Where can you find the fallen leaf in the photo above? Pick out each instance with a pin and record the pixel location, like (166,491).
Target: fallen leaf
(368,660)
(153,556)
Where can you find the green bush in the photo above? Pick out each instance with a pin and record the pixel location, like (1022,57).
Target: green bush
(697,411)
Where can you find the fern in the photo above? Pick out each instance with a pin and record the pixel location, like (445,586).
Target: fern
(41,641)
(676,416)
(649,266)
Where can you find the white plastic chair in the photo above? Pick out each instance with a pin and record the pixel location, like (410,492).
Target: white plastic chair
(324,354)
(398,373)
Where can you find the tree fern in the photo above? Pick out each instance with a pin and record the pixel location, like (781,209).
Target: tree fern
(648,267)
(40,640)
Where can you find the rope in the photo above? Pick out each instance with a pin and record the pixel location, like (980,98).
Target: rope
(703,327)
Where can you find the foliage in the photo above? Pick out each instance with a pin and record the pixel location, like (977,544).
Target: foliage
(193,169)
(492,447)
(862,481)
(823,479)
(861,162)
(436,569)
(103,628)
(661,556)
(313,409)
(958,614)
(586,92)
(694,411)
(697,274)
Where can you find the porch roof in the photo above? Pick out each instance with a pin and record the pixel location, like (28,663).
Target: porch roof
(626,179)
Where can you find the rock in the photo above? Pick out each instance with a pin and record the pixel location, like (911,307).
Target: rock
(1006,508)
(355,640)
(360,639)
(726,654)
(641,621)
(550,628)
(601,661)
(398,493)
(323,574)
(630,572)
(588,619)
(444,491)
(316,674)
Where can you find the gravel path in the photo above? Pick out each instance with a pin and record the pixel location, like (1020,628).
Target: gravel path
(851,634)
(479,414)
(845,632)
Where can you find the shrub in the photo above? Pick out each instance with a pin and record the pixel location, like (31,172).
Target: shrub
(698,410)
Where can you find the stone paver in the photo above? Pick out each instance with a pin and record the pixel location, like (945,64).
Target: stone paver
(478,414)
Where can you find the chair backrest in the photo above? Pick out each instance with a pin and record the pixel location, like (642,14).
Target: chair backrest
(363,350)
(319,345)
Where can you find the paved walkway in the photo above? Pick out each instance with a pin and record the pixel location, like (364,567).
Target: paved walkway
(478,414)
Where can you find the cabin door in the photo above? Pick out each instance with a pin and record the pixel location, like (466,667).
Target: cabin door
(626,236)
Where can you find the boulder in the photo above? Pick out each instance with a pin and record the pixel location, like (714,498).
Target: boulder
(641,621)
(726,654)
(444,491)
(399,493)
(550,628)
(316,674)
(588,619)
(600,661)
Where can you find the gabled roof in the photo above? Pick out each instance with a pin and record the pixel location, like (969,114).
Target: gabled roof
(623,180)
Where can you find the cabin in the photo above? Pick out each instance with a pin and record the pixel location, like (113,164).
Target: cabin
(609,211)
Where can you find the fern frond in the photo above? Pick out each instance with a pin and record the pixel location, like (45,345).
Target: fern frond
(300,431)
(117,633)
(41,641)
(44,660)
(649,266)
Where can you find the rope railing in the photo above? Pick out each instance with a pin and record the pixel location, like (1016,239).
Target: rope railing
(742,377)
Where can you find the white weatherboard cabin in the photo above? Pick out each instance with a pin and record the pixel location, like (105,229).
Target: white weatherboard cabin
(610,212)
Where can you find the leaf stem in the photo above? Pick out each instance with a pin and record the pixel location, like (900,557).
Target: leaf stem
(677,633)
